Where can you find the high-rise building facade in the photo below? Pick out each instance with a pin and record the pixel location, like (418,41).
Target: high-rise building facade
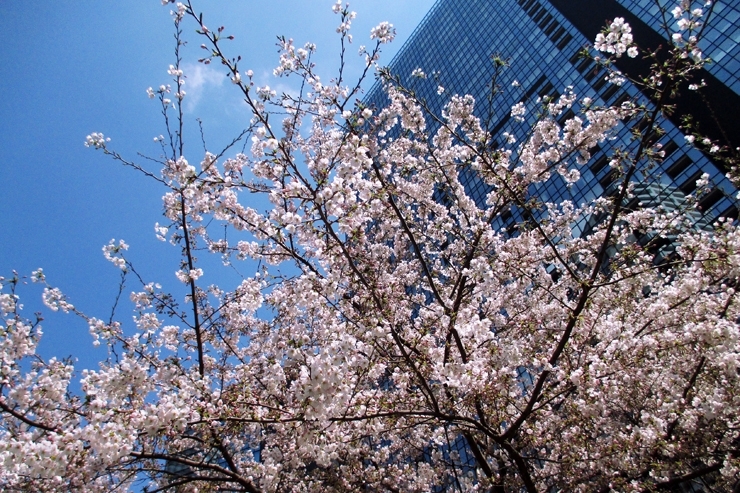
(541,41)
(451,52)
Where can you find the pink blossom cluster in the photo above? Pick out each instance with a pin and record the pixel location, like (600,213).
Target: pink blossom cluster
(617,39)
(382,321)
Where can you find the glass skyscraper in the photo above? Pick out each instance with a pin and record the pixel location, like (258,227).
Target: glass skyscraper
(541,40)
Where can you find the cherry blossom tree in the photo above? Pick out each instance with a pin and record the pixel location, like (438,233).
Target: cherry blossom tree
(389,338)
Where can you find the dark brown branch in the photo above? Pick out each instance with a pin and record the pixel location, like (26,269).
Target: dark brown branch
(199,465)
(667,485)
(5,408)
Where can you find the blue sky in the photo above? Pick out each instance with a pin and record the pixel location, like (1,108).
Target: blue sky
(80,66)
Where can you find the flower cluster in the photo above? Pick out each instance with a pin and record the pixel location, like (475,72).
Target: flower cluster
(383,32)
(405,309)
(114,253)
(292,59)
(689,22)
(55,300)
(96,140)
(418,73)
(186,276)
(617,39)
(518,111)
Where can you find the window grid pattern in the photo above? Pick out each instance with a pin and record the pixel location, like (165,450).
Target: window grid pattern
(454,46)
(720,40)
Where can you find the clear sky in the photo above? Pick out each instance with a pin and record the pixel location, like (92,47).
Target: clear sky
(74,67)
